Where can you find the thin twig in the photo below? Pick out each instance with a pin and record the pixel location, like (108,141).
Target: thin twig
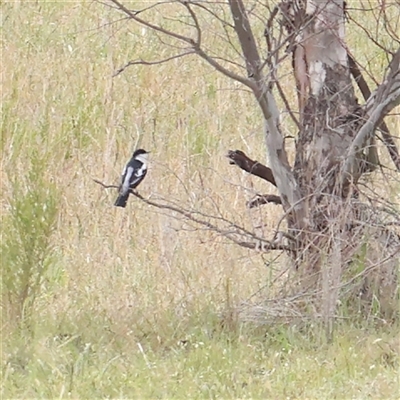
(106,186)
(157,62)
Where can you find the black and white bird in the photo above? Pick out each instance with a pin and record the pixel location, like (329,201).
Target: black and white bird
(133,173)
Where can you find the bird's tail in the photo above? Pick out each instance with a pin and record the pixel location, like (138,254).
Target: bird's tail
(122,200)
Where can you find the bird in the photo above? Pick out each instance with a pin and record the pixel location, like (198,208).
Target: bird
(133,173)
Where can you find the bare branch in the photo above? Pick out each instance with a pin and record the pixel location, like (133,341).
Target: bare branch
(230,74)
(134,16)
(388,93)
(212,13)
(282,172)
(195,20)
(274,52)
(247,41)
(381,102)
(194,45)
(252,167)
(286,103)
(366,92)
(105,3)
(374,36)
(358,77)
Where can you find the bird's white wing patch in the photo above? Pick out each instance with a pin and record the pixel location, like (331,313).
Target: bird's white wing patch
(126,183)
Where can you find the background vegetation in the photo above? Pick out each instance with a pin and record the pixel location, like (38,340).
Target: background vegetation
(104,302)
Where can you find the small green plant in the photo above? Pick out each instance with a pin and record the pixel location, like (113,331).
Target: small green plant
(26,251)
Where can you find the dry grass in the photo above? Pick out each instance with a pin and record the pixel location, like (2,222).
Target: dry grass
(128,306)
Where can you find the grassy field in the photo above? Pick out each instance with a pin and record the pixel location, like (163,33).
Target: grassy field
(100,302)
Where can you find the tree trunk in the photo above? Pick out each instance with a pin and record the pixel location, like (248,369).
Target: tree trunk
(338,225)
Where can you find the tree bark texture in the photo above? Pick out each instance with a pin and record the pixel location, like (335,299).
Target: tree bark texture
(339,227)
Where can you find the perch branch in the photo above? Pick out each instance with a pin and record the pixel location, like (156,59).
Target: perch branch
(258,243)
(252,167)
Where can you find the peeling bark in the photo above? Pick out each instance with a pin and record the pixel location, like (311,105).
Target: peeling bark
(335,146)
(331,114)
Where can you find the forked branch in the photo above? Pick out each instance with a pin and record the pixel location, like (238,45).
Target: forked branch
(194,45)
(380,103)
(366,92)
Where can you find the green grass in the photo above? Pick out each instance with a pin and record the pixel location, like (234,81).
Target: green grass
(128,303)
(197,363)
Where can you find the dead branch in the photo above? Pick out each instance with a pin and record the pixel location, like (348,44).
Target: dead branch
(387,95)
(105,3)
(272,64)
(212,13)
(252,167)
(287,105)
(260,200)
(230,74)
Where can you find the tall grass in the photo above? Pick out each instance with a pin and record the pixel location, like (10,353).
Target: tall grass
(127,303)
